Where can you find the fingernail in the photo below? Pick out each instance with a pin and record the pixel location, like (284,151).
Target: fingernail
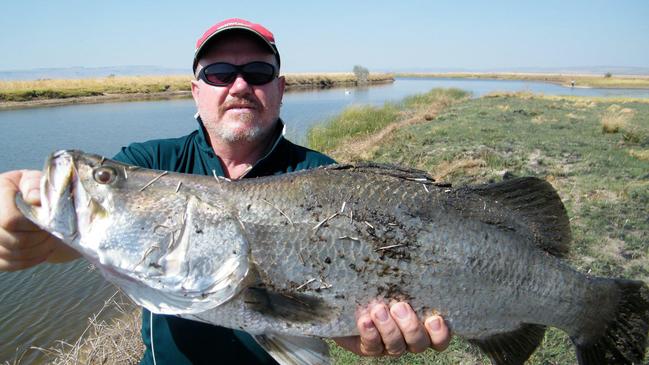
(33,195)
(381,314)
(368,324)
(434,324)
(400,310)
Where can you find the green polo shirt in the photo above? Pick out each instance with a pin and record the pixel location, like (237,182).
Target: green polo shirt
(179,341)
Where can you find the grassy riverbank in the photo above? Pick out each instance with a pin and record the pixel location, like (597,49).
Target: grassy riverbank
(581,80)
(594,151)
(17,94)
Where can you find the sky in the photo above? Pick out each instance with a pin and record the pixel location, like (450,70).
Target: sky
(332,35)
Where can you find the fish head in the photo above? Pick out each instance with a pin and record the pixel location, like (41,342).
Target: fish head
(170,252)
(70,205)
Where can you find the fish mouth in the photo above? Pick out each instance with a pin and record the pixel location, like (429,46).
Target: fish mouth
(59,195)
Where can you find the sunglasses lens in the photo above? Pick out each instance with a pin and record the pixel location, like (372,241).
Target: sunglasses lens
(219,74)
(258,73)
(222,74)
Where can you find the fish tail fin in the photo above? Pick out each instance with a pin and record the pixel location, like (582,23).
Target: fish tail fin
(624,338)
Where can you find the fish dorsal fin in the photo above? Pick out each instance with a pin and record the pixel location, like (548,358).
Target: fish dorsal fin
(537,203)
(386,170)
(512,348)
(293,350)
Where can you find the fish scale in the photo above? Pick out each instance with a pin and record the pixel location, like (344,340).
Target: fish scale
(290,258)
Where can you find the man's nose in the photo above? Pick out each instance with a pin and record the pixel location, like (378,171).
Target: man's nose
(240,86)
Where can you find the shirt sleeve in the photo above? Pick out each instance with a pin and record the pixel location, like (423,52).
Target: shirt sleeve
(136,154)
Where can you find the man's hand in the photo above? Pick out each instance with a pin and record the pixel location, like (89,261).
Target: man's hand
(22,243)
(395,330)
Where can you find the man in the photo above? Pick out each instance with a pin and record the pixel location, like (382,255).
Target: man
(238,94)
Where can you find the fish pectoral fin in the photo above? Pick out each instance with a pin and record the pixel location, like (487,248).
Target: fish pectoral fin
(290,307)
(294,350)
(512,348)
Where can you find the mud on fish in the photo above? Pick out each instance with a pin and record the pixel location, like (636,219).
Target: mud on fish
(289,258)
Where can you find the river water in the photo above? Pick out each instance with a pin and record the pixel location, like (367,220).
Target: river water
(53,302)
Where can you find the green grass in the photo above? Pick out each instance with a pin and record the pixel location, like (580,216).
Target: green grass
(353,122)
(602,177)
(358,121)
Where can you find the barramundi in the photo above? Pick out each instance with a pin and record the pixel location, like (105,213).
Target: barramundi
(291,258)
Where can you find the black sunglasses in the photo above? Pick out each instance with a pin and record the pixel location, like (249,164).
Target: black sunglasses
(223,74)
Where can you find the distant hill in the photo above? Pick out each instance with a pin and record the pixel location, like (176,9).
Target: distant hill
(90,72)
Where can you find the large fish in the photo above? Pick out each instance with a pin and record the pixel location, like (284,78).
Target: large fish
(289,258)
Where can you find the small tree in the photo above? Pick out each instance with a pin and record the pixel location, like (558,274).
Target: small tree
(608,75)
(361,74)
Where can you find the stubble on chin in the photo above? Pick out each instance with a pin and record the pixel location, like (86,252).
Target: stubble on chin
(247,129)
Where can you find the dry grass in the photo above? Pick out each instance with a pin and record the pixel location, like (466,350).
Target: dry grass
(584,103)
(177,82)
(16,94)
(616,118)
(581,80)
(331,79)
(640,154)
(578,101)
(115,342)
(103,83)
(465,166)
(574,117)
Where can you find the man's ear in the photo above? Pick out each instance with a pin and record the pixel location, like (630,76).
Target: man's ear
(281,84)
(195,91)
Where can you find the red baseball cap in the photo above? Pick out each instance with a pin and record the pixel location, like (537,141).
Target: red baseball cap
(234,23)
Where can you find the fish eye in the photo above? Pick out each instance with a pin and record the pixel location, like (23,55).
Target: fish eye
(104,174)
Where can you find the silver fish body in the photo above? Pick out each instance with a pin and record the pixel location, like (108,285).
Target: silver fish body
(296,254)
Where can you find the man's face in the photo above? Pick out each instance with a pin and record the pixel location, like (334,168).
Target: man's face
(239,111)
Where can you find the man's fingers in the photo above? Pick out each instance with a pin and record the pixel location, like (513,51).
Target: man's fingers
(16,265)
(30,186)
(414,333)
(22,240)
(389,330)
(43,248)
(370,343)
(438,331)
(11,218)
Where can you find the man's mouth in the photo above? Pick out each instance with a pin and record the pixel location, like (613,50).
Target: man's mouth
(240,106)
